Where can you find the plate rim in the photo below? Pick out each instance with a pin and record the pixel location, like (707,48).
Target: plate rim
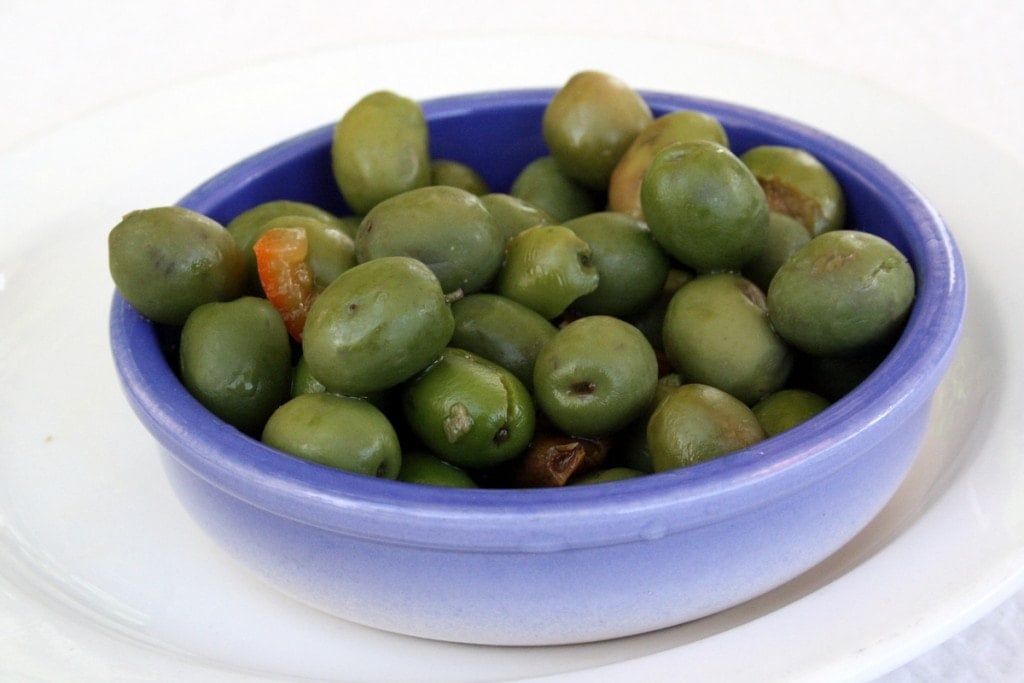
(1011,580)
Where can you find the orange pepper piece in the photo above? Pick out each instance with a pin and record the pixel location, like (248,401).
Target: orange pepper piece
(287,279)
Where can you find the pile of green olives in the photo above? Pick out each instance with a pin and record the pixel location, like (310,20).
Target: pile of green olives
(640,299)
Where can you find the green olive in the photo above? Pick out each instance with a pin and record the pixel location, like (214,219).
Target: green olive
(595,376)
(704,206)
(785,235)
(235,359)
(501,330)
(841,293)
(546,268)
(512,215)
(166,261)
(349,225)
(667,384)
(631,267)
(696,423)
(684,125)
(797,184)
(248,226)
(787,408)
(376,325)
(543,184)
(380,149)
(457,174)
(469,411)
(446,228)
(303,381)
(590,122)
(717,332)
(651,320)
(420,467)
(632,441)
(338,431)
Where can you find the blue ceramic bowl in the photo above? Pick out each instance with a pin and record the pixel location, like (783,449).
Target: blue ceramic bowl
(536,567)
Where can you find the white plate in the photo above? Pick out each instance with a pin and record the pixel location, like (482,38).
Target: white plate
(103,574)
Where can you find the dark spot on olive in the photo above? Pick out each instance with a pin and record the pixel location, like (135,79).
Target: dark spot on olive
(161,262)
(501,436)
(583,387)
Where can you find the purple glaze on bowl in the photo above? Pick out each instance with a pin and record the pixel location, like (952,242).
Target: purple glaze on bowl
(536,567)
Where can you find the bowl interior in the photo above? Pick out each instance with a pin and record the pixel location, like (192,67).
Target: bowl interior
(498,134)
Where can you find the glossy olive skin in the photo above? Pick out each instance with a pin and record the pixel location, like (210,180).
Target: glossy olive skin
(589,124)
(235,358)
(543,184)
(469,411)
(303,381)
(595,376)
(349,225)
(785,235)
(841,293)
(501,330)
(420,467)
(380,148)
(447,228)
(376,325)
(546,268)
(696,423)
(512,215)
(330,252)
(797,184)
(166,261)
(678,126)
(248,226)
(457,174)
(787,408)
(631,267)
(338,431)
(704,206)
(717,332)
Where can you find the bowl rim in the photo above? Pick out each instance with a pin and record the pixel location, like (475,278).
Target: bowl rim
(539,520)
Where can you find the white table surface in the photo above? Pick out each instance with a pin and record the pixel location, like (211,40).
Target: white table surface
(59,61)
